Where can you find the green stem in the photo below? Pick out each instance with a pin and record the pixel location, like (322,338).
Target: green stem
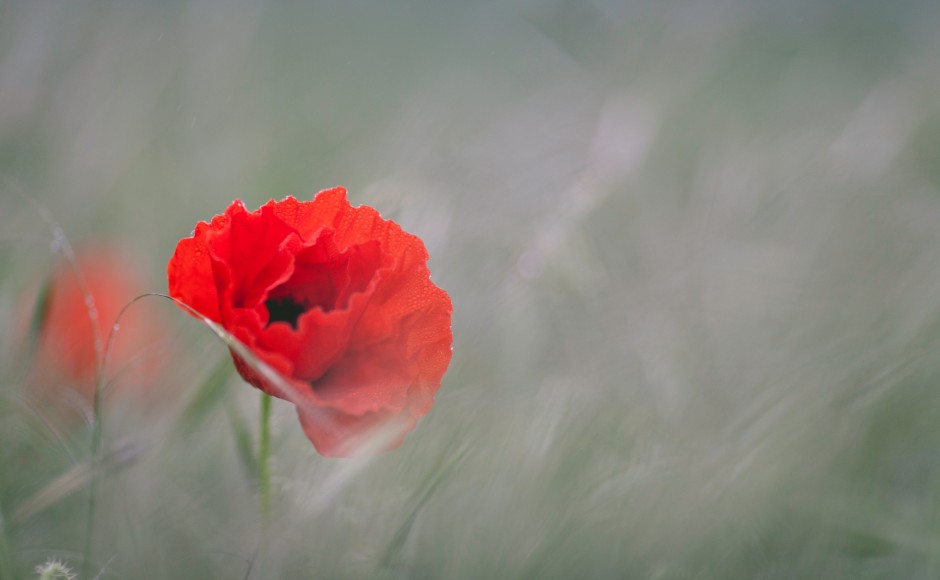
(264,456)
(93,484)
(103,352)
(6,559)
(6,555)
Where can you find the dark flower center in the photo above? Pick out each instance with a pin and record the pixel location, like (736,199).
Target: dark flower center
(323,278)
(284,309)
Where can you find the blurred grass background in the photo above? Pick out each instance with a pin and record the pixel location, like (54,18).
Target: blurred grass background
(693,249)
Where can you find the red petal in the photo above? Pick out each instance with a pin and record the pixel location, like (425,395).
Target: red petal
(257,249)
(190,273)
(309,217)
(393,374)
(335,434)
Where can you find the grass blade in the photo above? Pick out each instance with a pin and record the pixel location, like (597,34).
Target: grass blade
(208,395)
(243,442)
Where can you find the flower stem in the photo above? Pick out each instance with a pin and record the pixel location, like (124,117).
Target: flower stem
(6,559)
(264,456)
(103,355)
(93,484)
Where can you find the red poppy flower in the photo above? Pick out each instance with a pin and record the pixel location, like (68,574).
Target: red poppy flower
(335,298)
(66,355)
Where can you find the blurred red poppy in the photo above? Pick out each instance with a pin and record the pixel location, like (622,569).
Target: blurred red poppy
(335,298)
(66,356)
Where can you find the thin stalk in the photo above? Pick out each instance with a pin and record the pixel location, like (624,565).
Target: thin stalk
(264,458)
(60,243)
(93,484)
(97,428)
(6,558)
(264,481)
(6,555)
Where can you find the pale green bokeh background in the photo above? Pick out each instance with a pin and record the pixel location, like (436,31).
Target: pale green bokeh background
(693,249)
